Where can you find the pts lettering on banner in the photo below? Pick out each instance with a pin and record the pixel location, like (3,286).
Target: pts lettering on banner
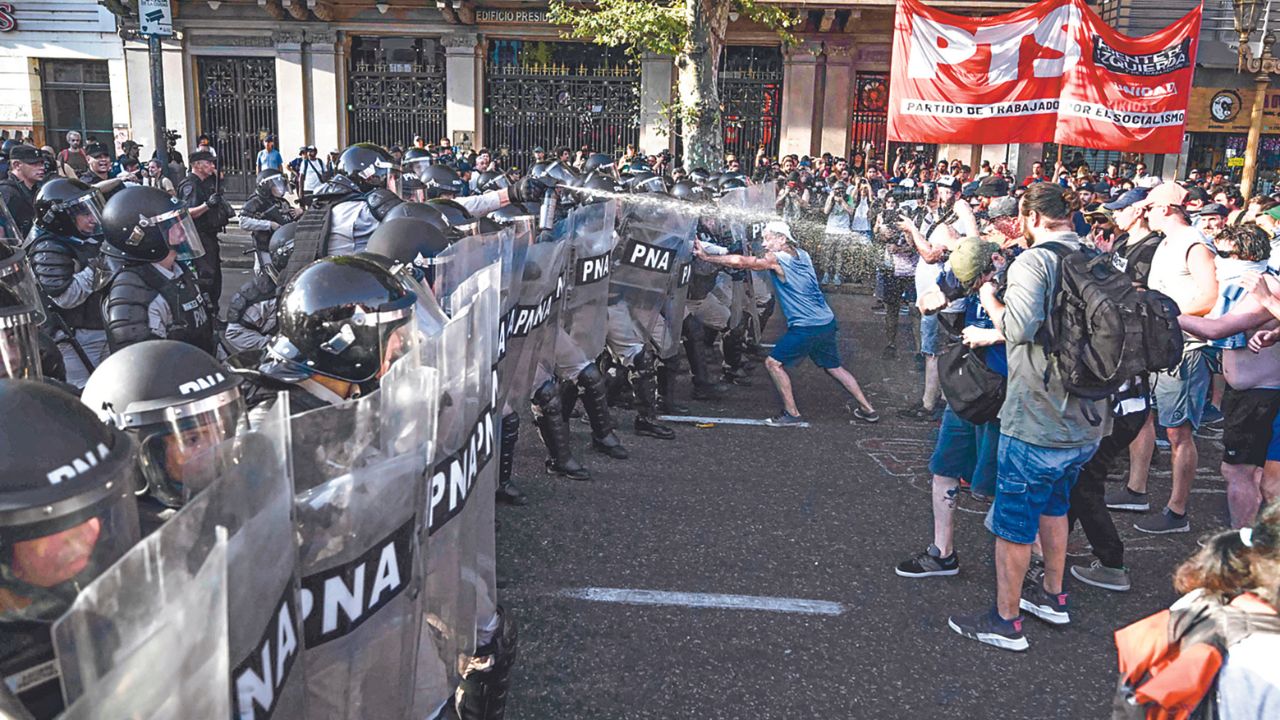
(935,44)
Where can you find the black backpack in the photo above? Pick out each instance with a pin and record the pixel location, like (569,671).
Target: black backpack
(1103,331)
(973,391)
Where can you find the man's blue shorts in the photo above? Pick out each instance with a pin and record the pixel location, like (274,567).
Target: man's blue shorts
(816,343)
(968,451)
(1031,481)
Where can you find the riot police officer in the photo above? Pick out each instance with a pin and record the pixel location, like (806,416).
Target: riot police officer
(346,210)
(66,259)
(265,211)
(341,322)
(443,182)
(210,214)
(177,402)
(67,513)
(251,317)
(153,294)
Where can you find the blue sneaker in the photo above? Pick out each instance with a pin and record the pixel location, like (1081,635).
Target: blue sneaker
(1212,416)
(1049,608)
(991,629)
(785,419)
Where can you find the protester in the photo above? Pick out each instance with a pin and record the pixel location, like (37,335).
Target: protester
(269,157)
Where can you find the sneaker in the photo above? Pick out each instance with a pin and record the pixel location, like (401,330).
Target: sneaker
(826,279)
(1165,523)
(784,419)
(866,416)
(928,564)
(991,629)
(838,280)
(1049,608)
(1122,498)
(936,414)
(916,412)
(1099,575)
(1209,432)
(1212,417)
(1035,571)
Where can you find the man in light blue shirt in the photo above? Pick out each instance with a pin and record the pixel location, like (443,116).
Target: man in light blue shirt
(811,326)
(269,157)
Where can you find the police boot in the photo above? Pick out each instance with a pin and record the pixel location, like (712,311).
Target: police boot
(644,378)
(482,693)
(735,347)
(554,429)
(697,349)
(507,491)
(591,382)
(668,371)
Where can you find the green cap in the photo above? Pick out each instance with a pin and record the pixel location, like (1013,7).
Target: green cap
(972,258)
(1274,212)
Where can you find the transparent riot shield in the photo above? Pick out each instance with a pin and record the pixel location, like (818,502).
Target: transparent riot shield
(512,285)
(466,257)
(456,497)
(646,260)
(673,311)
(358,474)
(585,315)
(527,333)
(148,638)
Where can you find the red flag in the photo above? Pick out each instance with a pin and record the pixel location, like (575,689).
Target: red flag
(1050,71)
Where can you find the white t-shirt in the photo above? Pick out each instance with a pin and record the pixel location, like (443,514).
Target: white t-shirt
(1249,682)
(1169,272)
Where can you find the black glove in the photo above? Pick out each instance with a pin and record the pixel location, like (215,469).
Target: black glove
(214,200)
(527,190)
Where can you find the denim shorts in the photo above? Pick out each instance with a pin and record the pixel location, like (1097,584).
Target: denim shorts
(1181,393)
(816,343)
(930,342)
(1031,481)
(968,451)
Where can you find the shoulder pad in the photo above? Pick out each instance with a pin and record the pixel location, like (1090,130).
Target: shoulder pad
(125,310)
(381,201)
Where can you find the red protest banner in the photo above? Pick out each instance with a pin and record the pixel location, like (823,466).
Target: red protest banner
(1052,71)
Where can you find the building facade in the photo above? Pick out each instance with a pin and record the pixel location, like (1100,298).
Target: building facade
(61,69)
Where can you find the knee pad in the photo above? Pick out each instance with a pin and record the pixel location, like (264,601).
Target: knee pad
(590,376)
(546,399)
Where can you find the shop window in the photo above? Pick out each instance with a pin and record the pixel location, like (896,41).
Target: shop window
(77,96)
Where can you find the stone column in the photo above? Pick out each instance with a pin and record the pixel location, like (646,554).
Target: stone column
(837,105)
(179,98)
(1021,157)
(464,69)
(799,79)
(656,75)
(325,112)
(291,106)
(137,72)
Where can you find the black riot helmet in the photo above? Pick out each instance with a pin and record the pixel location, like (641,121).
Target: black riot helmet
(457,216)
(599,187)
(649,183)
(422,211)
(340,317)
(271,182)
(730,182)
(411,244)
(280,249)
(491,180)
(412,189)
(69,208)
(699,175)
(144,224)
(690,192)
(176,401)
(599,162)
(67,510)
(21,313)
(368,166)
(415,160)
(511,214)
(7,146)
(539,169)
(441,181)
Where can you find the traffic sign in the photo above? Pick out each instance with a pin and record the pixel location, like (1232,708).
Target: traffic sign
(155,17)
(1235,162)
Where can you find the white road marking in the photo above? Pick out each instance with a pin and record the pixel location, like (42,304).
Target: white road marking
(724,421)
(707,600)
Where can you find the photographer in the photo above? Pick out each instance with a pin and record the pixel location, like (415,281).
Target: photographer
(899,268)
(836,239)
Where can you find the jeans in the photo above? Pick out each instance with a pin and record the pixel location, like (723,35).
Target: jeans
(1031,481)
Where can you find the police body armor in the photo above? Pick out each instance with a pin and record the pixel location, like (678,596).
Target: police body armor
(134,287)
(646,262)
(359,469)
(311,241)
(589,230)
(702,273)
(265,207)
(55,260)
(261,289)
(244,488)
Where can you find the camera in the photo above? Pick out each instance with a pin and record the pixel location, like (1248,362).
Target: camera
(907,194)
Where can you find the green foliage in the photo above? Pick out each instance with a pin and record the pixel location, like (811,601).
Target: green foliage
(656,26)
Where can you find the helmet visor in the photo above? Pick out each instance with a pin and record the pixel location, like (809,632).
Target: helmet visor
(46,570)
(8,228)
(276,186)
(20,352)
(84,215)
(179,232)
(182,448)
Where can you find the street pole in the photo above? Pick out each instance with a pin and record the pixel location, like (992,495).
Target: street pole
(1262,82)
(157,100)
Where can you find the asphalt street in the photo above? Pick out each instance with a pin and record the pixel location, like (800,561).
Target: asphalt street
(820,514)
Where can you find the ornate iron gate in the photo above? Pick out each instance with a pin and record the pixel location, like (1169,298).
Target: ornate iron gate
(237,110)
(870,112)
(558,95)
(751,100)
(397,90)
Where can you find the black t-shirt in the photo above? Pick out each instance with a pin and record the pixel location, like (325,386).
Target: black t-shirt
(1137,257)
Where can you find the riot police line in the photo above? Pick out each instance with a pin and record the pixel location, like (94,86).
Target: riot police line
(297,518)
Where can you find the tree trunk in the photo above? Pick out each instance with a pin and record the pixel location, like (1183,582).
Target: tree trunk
(696,70)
